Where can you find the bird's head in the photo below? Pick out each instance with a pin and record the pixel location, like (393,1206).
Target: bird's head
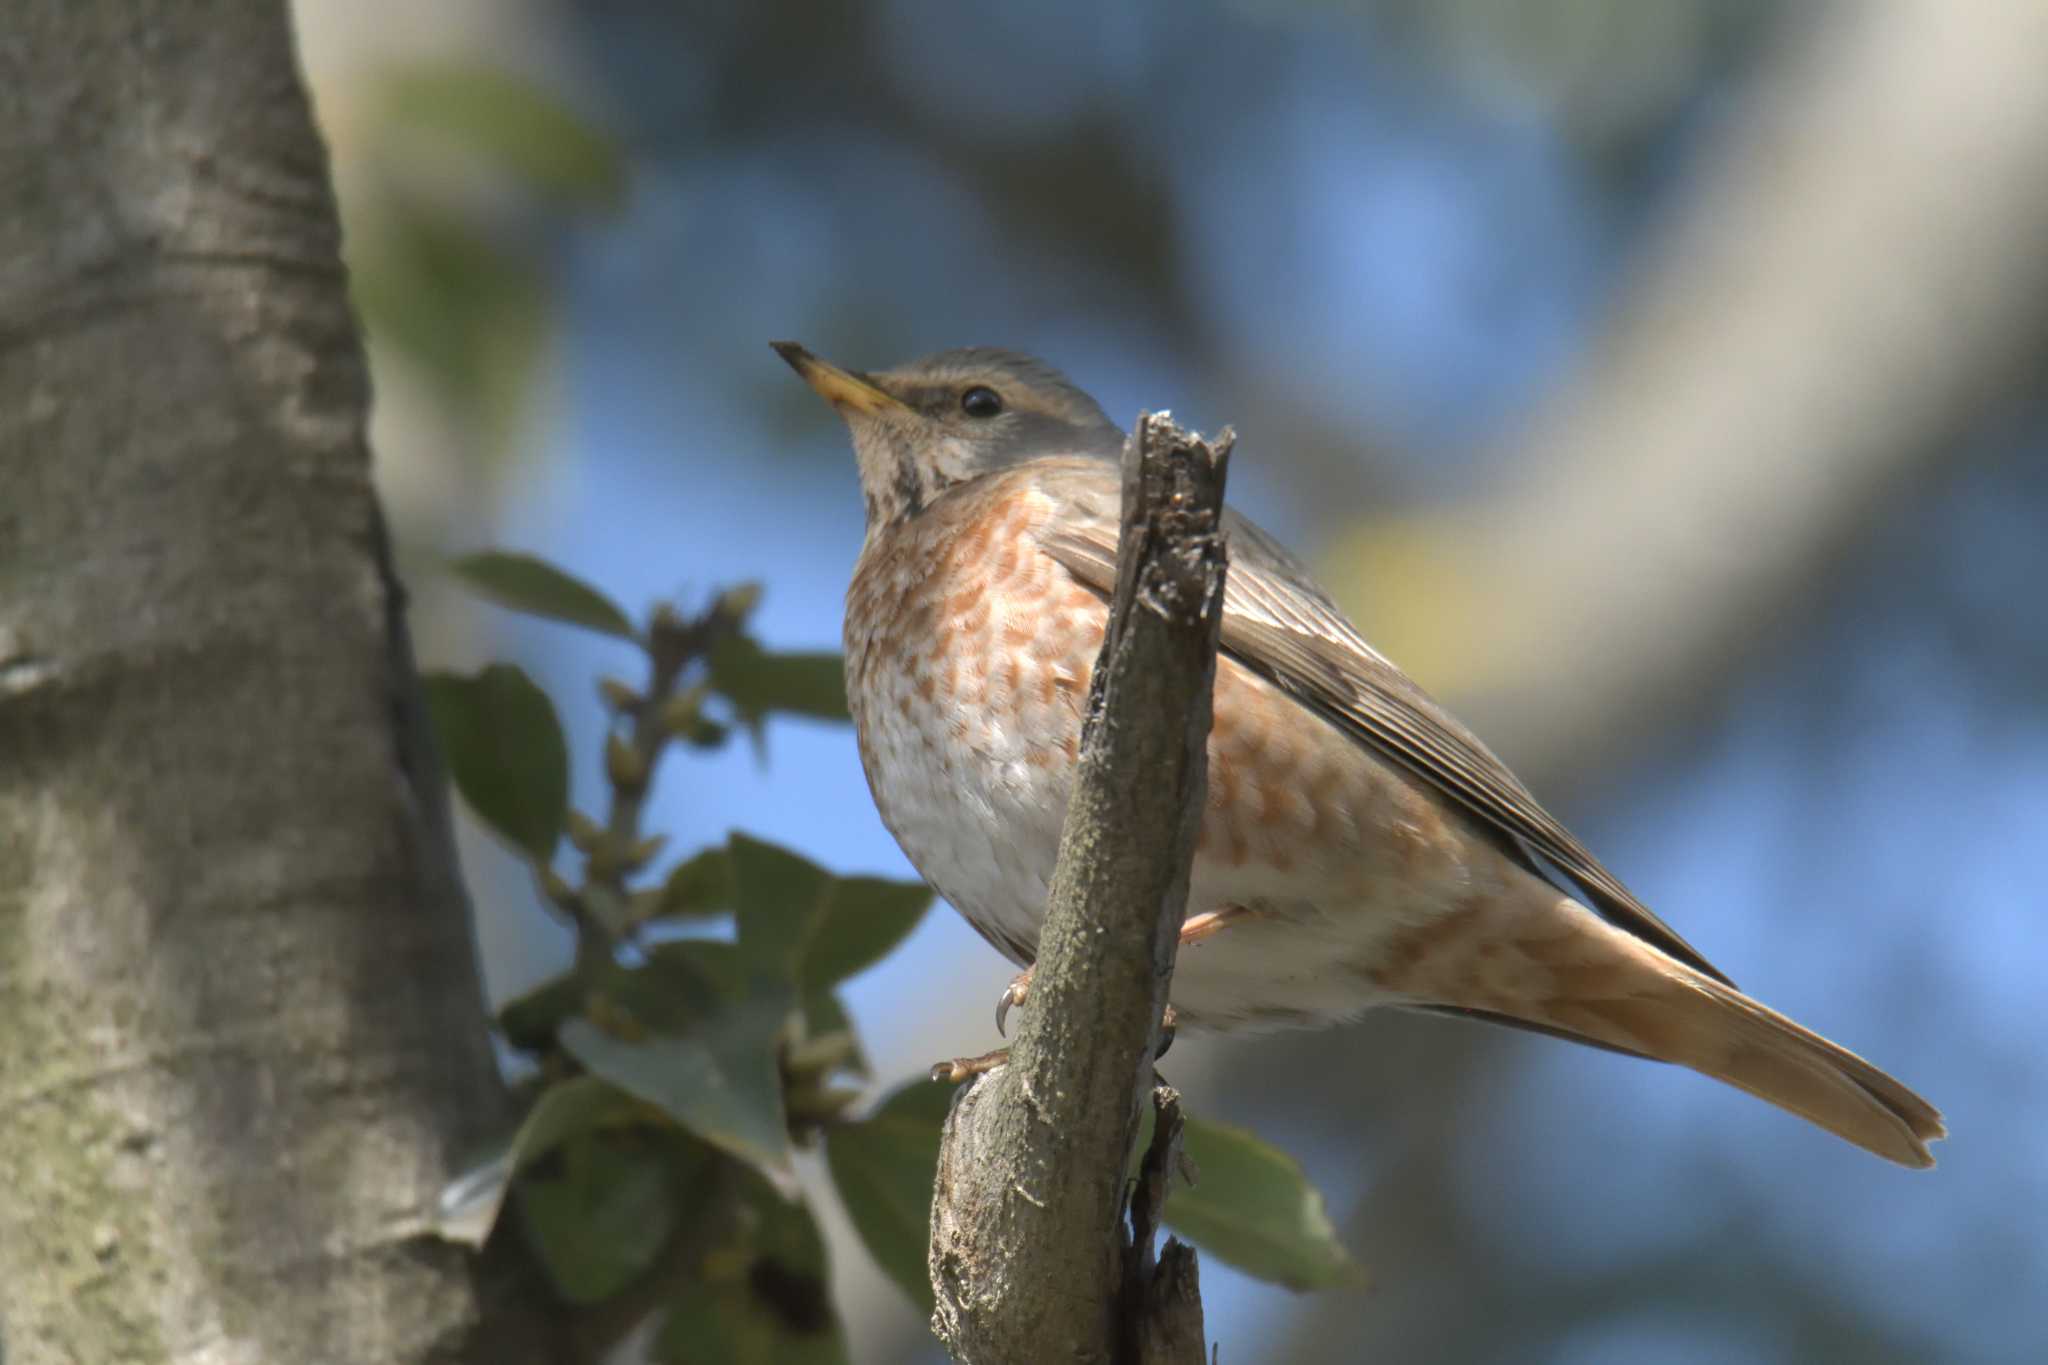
(924,427)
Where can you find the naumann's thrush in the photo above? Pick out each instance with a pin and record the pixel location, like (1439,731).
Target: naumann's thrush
(1359,847)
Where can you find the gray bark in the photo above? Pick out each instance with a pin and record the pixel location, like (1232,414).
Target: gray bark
(243,1038)
(1027,1253)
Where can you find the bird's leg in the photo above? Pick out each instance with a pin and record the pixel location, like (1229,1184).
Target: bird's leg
(1195,929)
(961,1068)
(1210,923)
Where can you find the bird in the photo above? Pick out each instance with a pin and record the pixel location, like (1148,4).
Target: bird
(1358,847)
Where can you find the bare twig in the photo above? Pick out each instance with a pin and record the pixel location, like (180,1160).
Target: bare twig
(1162,1319)
(1026,1243)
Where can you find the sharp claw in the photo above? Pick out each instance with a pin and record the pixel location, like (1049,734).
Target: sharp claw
(1169,1025)
(1013,994)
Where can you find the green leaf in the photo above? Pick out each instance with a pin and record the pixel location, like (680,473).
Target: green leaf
(534,586)
(758,682)
(1253,1206)
(570,1108)
(706,734)
(865,918)
(506,753)
(698,886)
(883,1167)
(526,130)
(529,1021)
(599,1215)
(697,969)
(782,897)
(720,1080)
(764,1301)
(468,1205)
(799,921)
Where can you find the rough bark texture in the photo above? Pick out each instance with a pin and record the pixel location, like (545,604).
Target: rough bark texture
(242,1027)
(1027,1244)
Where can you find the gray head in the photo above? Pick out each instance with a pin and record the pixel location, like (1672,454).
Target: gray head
(921,428)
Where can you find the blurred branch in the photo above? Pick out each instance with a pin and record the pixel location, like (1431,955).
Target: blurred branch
(1860,270)
(1026,1255)
(1861,266)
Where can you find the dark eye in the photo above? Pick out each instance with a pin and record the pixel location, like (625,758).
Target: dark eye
(981,401)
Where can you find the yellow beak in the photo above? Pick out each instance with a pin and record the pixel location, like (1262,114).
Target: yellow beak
(843,389)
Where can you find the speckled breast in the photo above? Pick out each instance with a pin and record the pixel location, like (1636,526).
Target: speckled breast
(967,656)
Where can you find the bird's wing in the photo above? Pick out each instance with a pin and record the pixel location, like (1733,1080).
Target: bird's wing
(1279,624)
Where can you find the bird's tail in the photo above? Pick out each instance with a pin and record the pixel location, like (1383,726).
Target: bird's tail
(1586,980)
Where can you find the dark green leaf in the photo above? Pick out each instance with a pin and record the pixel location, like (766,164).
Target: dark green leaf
(1253,1206)
(468,1206)
(865,918)
(720,1080)
(699,885)
(529,1021)
(782,899)
(758,682)
(764,1301)
(527,131)
(698,969)
(705,733)
(506,753)
(570,1108)
(599,1215)
(538,588)
(883,1167)
(799,921)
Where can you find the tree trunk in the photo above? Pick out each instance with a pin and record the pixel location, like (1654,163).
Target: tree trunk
(243,1042)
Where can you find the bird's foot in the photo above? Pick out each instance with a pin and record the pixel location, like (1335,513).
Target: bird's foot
(1197,928)
(965,1068)
(958,1069)
(1014,994)
(1168,1022)
(1210,923)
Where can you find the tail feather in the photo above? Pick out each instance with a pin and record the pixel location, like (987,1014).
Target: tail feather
(1574,974)
(1733,1038)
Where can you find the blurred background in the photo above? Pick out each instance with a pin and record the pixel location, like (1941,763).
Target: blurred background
(1657,382)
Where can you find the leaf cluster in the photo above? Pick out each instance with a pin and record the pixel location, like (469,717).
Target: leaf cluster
(699,1040)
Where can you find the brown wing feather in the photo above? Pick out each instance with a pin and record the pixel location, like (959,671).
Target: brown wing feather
(1277,622)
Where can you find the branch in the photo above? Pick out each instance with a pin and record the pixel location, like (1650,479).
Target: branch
(1854,281)
(1026,1255)
(605,908)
